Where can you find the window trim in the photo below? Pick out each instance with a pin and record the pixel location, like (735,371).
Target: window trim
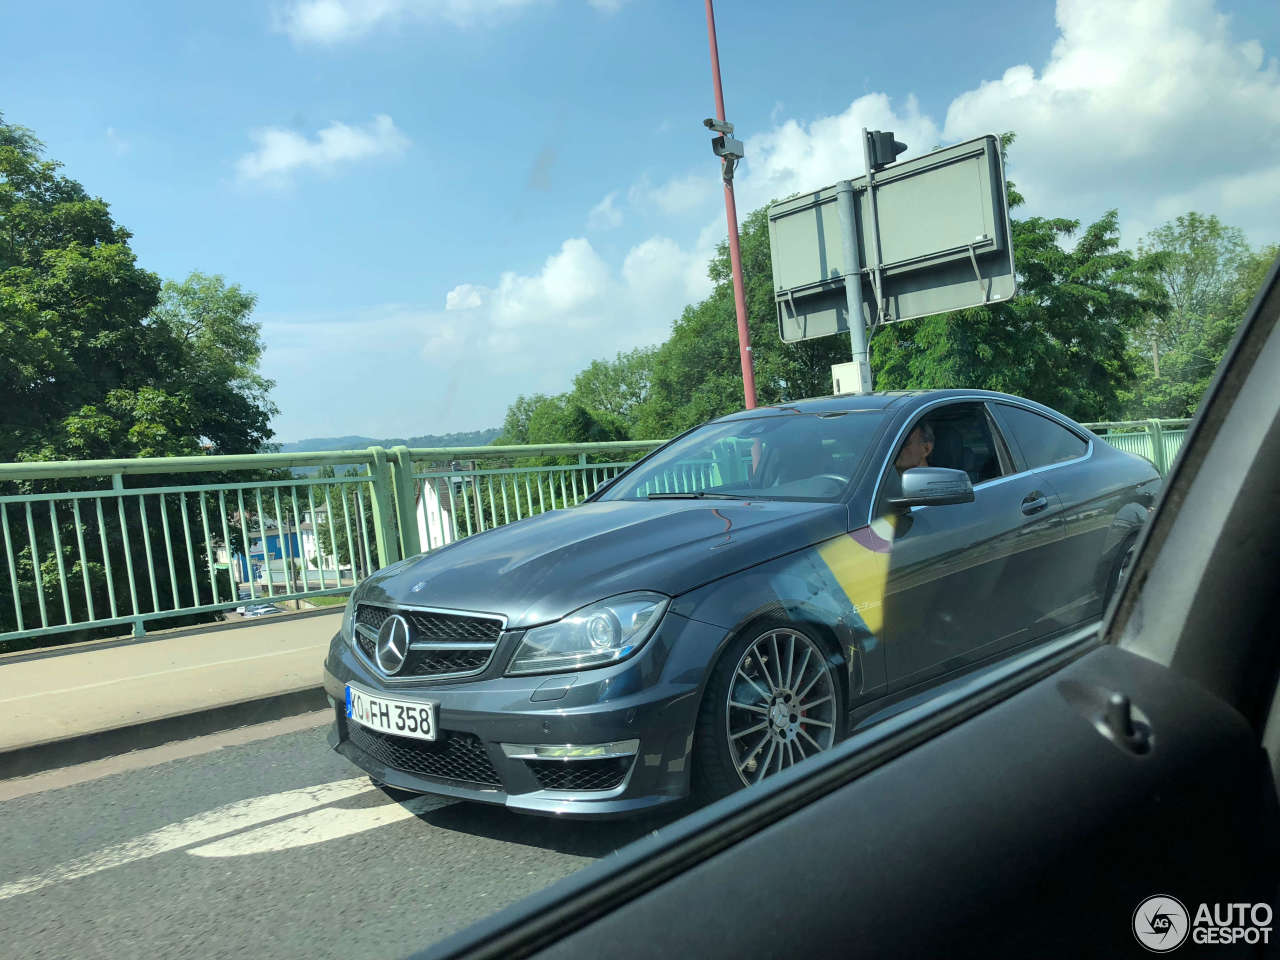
(985,401)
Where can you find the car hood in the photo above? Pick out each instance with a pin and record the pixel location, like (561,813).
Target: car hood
(537,570)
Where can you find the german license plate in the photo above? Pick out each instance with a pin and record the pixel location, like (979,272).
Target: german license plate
(402,718)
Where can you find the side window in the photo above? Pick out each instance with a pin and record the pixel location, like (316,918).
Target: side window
(955,435)
(963,441)
(1041,440)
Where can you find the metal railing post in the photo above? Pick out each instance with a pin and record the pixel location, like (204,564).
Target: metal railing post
(1157,447)
(384,507)
(139,625)
(402,480)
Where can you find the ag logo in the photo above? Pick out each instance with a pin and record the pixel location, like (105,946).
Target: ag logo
(1161,923)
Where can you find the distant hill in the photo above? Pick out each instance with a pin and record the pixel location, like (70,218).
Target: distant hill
(475,438)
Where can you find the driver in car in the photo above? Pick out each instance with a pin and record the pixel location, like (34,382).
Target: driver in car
(916,449)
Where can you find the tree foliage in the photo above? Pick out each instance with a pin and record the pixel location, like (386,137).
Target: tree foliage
(616,388)
(697,373)
(1210,275)
(1061,341)
(560,419)
(100,360)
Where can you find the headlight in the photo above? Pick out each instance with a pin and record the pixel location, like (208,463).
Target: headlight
(349,616)
(594,636)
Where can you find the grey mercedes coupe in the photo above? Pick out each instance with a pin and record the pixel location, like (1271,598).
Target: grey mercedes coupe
(735,602)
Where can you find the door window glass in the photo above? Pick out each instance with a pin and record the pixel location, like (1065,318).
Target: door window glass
(1041,440)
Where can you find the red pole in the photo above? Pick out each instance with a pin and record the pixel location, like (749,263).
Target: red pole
(735,252)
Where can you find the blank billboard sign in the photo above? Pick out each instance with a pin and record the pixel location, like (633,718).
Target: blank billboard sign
(943,243)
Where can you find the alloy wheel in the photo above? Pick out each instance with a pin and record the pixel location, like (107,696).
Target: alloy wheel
(781,706)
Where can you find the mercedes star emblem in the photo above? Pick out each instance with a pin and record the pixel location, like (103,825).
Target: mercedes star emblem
(393,644)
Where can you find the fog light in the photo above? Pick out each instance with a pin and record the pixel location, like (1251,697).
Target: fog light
(569,751)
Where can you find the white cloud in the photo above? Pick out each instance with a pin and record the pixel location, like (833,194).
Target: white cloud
(337,21)
(796,156)
(542,328)
(118,143)
(281,152)
(466,296)
(662,265)
(1147,106)
(679,196)
(604,215)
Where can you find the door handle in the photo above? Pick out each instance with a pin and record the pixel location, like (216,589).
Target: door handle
(1034,503)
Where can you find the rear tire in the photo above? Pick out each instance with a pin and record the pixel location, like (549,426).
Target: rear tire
(774,699)
(1124,563)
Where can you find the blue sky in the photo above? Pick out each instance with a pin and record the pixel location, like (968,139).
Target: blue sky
(444,203)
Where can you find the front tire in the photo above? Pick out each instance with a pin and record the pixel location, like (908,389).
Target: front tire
(773,700)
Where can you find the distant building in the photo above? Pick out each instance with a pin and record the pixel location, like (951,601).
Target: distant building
(286,558)
(435,515)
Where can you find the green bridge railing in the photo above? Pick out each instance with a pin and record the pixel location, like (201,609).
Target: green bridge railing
(95,545)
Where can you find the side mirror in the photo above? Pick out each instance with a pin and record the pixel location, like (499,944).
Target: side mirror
(933,487)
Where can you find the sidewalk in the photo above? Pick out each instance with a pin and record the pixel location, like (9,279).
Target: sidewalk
(90,702)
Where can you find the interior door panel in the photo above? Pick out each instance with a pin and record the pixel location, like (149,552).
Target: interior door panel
(1054,863)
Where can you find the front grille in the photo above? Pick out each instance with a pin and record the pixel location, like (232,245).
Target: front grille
(434,627)
(427,663)
(604,774)
(455,756)
(371,616)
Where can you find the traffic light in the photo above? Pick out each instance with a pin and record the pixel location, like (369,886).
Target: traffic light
(882,148)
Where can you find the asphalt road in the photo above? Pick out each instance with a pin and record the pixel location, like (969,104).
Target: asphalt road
(270,847)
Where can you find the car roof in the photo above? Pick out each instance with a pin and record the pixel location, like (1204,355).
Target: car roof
(848,402)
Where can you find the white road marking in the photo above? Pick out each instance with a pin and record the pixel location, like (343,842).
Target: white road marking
(202,827)
(330,823)
(161,673)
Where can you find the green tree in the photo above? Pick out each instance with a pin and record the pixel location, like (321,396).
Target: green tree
(616,388)
(221,348)
(1210,275)
(98,362)
(563,419)
(540,419)
(1062,340)
(696,372)
(515,426)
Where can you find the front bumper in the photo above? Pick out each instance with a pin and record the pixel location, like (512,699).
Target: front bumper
(647,704)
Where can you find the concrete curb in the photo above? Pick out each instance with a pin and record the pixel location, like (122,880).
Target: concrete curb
(34,758)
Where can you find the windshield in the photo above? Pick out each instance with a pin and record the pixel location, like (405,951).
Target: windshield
(783,457)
